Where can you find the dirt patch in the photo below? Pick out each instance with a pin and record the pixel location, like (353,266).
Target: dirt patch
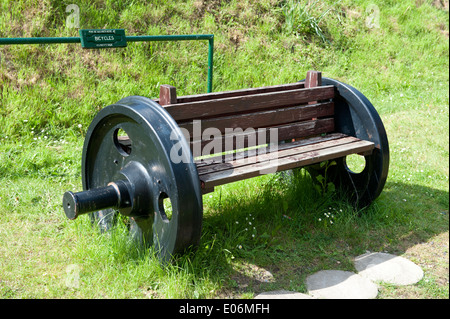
(247,276)
(251,274)
(440,4)
(432,257)
(203,6)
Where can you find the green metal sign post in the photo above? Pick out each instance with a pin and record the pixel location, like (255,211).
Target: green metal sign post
(114,38)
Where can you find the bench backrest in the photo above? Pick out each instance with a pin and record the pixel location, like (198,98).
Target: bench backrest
(297,110)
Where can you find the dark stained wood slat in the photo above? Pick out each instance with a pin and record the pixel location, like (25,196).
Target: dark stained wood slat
(203,109)
(242,92)
(238,155)
(298,160)
(306,128)
(250,138)
(275,155)
(265,118)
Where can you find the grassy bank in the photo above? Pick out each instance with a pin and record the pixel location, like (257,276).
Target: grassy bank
(395,53)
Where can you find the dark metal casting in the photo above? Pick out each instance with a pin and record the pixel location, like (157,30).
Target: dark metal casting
(356,116)
(134,179)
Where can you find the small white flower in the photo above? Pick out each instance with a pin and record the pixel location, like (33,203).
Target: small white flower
(80,126)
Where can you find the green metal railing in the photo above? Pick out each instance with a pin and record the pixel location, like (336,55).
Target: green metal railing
(143,38)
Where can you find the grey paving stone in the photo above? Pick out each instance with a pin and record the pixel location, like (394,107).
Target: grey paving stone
(388,268)
(338,284)
(282,294)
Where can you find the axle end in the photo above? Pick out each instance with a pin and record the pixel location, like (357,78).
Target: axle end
(70,205)
(114,195)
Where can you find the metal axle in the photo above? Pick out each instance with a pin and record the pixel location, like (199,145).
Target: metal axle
(115,195)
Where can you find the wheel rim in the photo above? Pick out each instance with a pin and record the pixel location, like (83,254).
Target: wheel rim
(356,116)
(142,154)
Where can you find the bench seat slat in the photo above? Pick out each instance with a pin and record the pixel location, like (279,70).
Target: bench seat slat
(317,155)
(268,156)
(200,162)
(232,105)
(285,132)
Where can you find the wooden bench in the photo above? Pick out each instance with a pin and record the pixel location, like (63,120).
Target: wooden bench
(223,137)
(302,114)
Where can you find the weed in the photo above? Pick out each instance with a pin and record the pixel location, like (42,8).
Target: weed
(323,185)
(301,19)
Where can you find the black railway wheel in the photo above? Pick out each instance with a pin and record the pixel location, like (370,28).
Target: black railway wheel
(131,141)
(356,116)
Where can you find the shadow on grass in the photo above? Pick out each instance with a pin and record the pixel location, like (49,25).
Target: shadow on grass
(271,232)
(272,237)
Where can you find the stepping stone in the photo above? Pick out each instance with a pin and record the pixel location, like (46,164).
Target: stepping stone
(282,294)
(338,284)
(388,268)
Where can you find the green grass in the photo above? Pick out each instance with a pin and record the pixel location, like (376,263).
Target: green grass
(50,93)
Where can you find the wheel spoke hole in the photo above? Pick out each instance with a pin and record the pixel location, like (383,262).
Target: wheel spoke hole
(122,142)
(165,207)
(355,163)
